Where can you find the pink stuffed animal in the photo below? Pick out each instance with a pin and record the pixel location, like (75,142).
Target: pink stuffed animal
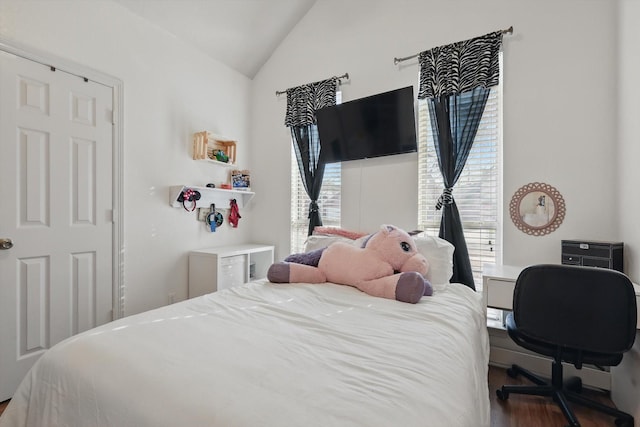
(388,266)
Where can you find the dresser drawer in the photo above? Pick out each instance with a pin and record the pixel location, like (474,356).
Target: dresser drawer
(585,248)
(596,262)
(500,293)
(571,259)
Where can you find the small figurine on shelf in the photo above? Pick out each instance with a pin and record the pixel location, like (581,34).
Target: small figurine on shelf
(240,179)
(221,156)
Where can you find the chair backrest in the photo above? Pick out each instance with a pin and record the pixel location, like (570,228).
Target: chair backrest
(585,308)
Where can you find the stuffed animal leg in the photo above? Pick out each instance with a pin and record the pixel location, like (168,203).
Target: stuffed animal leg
(289,272)
(301,268)
(406,287)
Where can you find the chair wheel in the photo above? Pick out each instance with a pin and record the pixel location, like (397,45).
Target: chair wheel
(512,373)
(502,395)
(624,422)
(574,384)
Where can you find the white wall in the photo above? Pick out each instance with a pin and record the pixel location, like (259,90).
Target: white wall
(559,103)
(170,91)
(628,173)
(626,377)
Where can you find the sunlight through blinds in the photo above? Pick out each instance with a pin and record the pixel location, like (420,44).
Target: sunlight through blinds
(477,191)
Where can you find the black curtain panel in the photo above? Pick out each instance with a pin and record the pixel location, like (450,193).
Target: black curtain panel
(456,79)
(302,104)
(307,148)
(454,121)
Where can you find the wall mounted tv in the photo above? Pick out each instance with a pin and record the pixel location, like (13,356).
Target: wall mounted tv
(378,125)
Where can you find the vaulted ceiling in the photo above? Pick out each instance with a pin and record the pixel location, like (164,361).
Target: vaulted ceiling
(239,33)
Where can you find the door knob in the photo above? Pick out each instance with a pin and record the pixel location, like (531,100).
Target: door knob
(6,244)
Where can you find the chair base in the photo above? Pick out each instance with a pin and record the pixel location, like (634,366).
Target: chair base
(562,393)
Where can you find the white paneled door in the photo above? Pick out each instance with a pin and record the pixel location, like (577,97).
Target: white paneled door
(56,225)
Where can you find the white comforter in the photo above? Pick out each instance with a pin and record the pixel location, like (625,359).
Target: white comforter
(270,355)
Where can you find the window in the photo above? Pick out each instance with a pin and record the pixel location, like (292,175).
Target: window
(328,202)
(477,192)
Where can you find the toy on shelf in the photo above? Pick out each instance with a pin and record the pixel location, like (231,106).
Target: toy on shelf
(219,155)
(240,180)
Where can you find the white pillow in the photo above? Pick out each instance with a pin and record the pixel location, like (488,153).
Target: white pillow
(439,254)
(319,241)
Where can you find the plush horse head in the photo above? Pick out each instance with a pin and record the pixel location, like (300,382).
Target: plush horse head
(387,265)
(397,247)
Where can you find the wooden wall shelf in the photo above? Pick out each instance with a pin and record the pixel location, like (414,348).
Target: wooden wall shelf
(206,143)
(218,163)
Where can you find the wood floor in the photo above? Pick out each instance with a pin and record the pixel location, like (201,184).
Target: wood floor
(529,411)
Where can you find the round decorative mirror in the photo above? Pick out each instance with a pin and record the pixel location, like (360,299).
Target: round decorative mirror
(537,209)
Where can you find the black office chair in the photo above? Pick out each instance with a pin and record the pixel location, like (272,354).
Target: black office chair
(579,315)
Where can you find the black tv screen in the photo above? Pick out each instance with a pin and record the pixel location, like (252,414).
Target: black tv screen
(378,125)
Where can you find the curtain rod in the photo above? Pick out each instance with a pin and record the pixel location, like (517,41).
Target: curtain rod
(396,61)
(344,76)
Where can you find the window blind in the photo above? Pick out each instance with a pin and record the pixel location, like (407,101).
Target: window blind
(328,203)
(477,191)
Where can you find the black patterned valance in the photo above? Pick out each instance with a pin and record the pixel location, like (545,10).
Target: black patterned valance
(303,101)
(460,67)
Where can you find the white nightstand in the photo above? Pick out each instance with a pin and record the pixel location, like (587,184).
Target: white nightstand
(498,282)
(213,269)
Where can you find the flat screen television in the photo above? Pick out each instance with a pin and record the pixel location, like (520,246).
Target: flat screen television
(374,126)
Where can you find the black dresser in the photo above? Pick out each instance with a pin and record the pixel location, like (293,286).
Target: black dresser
(593,254)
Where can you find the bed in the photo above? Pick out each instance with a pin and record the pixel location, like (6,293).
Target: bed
(266,354)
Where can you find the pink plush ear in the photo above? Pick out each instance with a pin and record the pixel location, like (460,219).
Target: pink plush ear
(386,229)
